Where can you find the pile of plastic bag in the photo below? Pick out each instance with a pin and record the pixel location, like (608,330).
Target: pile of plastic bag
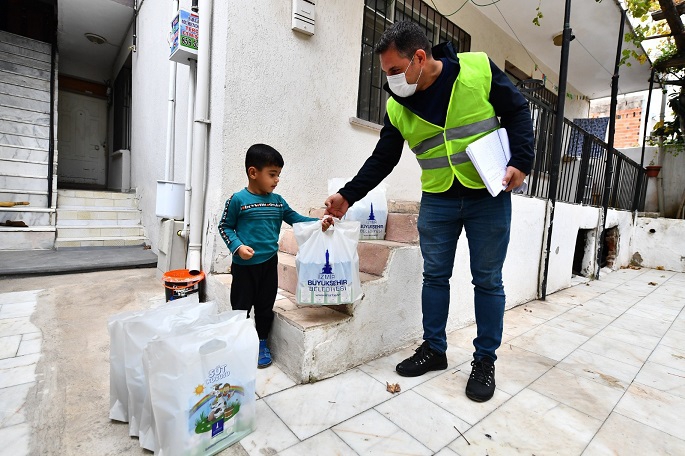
(183,376)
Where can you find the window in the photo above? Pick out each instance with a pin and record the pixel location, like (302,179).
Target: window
(380,14)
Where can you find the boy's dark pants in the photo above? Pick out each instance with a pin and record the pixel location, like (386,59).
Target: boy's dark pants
(256,286)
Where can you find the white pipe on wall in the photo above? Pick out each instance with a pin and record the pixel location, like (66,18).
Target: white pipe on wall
(200,131)
(192,73)
(171,115)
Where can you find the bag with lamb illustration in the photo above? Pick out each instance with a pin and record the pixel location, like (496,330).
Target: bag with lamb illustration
(371,211)
(327,263)
(202,387)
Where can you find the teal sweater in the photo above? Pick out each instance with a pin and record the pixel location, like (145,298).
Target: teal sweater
(255,221)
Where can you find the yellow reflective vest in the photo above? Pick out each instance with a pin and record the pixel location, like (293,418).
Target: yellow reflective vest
(441,151)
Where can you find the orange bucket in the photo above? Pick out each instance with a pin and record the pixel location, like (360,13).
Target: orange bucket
(180,283)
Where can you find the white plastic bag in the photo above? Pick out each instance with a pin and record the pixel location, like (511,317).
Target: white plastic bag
(327,263)
(147,435)
(202,387)
(140,330)
(118,392)
(371,211)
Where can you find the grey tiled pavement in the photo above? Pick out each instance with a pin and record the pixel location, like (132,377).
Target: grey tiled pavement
(598,368)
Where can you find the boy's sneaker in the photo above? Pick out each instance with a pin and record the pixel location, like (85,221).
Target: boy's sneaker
(264,359)
(481,384)
(424,360)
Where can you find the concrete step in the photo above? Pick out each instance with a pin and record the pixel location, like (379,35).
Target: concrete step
(25,61)
(31,216)
(95,199)
(11,140)
(25,182)
(12,166)
(25,81)
(27,43)
(22,115)
(98,216)
(36,198)
(13,101)
(15,127)
(100,241)
(31,238)
(104,231)
(24,52)
(26,92)
(24,153)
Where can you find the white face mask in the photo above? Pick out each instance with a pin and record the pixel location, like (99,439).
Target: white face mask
(399,85)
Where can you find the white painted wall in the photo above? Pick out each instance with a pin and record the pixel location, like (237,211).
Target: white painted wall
(658,242)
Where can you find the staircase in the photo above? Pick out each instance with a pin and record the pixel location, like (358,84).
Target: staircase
(88,218)
(314,342)
(24,143)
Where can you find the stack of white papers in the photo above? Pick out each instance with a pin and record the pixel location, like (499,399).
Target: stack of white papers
(490,155)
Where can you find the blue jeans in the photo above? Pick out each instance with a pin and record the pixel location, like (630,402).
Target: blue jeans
(486,221)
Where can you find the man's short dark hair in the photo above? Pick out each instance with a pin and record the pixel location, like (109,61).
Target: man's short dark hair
(405,36)
(261,155)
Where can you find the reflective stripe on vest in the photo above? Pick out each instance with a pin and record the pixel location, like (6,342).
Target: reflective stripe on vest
(452,133)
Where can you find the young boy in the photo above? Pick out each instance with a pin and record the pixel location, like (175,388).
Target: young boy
(250,226)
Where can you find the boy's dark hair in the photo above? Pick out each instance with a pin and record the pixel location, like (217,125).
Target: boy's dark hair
(261,155)
(405,36)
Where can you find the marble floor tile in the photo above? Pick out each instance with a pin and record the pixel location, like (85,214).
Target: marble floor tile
(529,423)
(18,361)
(517,368)
(622,435)
(619,297)
(611,309)
(9,346)
(271,434)
(578,392)
(547,341)
(370,433)
(272,380)
(431,425)
(18,376)
(310,409)
(573,326)
(658,409)
(545,309)
(674,338)
(518,321)
(663,378)
(669,356)
(383,369)
(462,338)
(655,313)
(29,347)
(326,441)
(587,317)
(15,440)
(679,323)
(616,349)
(14,326)
(22,309)
(12,404)
(447,391)
(630,337)
(599,368)
(16,297)
(572,296)
(446,452)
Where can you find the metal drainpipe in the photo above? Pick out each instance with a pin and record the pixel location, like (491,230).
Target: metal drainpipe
(171,115)
(192,74)
(200,131)
(660,155)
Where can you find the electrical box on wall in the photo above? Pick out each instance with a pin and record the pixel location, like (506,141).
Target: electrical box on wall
(184,33)
(303,16)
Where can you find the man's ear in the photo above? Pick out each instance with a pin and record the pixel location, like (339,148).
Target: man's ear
(252,172)
(420,56)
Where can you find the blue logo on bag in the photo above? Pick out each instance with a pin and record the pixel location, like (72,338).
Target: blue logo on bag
(327,269)
(371,216)
(218,427)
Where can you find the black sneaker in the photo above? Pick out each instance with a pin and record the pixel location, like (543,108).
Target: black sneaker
(481,384)
(424,360)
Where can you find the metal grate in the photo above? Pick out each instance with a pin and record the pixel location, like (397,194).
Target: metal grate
(380,14)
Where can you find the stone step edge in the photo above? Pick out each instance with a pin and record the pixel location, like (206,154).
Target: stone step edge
(15,146)
(95,208)
(4,53)
(102,238)
(19,160)
(46,228)
(28,208)
(85,227)
(20,192)
(26,109)
(14,40)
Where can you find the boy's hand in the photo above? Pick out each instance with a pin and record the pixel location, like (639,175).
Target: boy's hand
(245,252)
(326,222)
(336,205)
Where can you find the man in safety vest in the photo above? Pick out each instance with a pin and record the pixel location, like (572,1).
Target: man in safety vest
(439,103)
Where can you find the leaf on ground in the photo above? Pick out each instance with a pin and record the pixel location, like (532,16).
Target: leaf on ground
(660,268)
(393,387)
(653,284)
